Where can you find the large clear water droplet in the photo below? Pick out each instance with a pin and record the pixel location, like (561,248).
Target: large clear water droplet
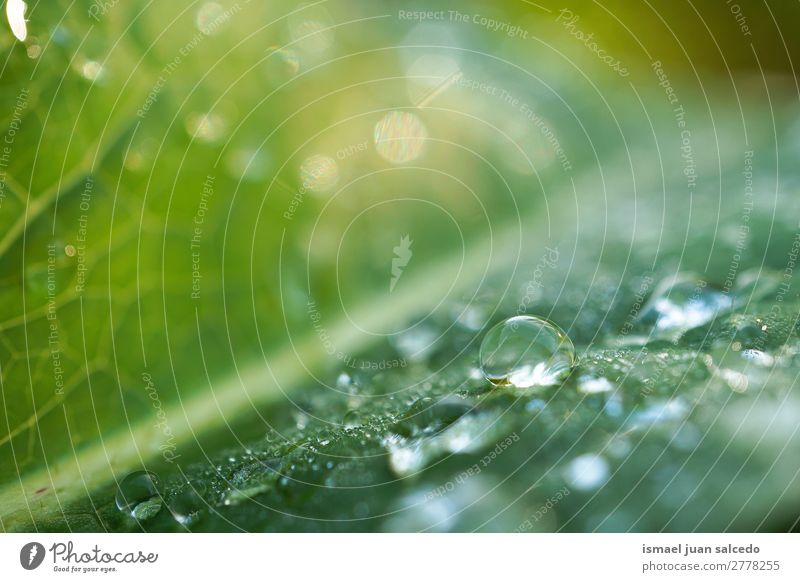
(682,303)
(526,351)
(138,495)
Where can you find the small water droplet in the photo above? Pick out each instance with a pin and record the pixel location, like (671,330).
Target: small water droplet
(619,446)
(344,382)
(91,70)
(300,419)
(33,51)
(206,127)
(682,303)
(138,495)
(587,472)
(69,250)
(525,351)
(400,137)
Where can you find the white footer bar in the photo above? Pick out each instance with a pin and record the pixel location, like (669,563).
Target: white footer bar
(406,558)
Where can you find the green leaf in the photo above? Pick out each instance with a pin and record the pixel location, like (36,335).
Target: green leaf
(181,287)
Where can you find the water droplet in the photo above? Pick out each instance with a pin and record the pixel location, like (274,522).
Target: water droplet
(33,50)
(344,382)
(619,446)
(400,137)
(587,472)
(206,127)
(525,351)
(138,495)
(69,250)
(91,70)
(300,419)
(682,303)
(319,173)
(186,504)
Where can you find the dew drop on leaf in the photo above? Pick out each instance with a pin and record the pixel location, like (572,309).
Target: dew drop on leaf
(526,351)
(138,495)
